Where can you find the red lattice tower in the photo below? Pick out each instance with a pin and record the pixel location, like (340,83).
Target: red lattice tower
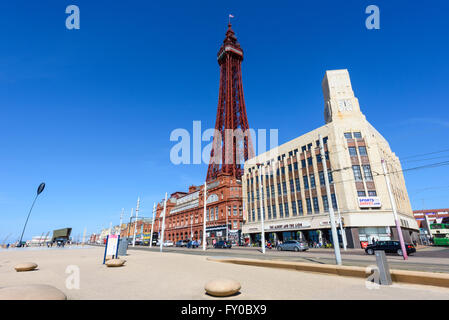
(231,114)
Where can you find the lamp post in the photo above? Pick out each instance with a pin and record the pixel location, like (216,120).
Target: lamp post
(39,190)
(204,215)
(152,225)
(331,208)
(393,208)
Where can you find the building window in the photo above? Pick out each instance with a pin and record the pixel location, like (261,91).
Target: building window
(334,201)
(372,193)
(269,212)
(325,204)
(292,186)
(294,209)
(309,206)
(286,210)
(362,151)
(306,182)
(352,151)
(303,163)
(281,211)
(290,168)
(298,187)
(357,135)
(329,176)
(283,170)
(312,180)
(322,180)
(272,190)
(295,165)
(216,213)
(361,193)
(357,173)
(300,210)
(253,215)
(318,158)
(235,210)
(268,191)
(316,207)
(279,190)
(367,172)
(258,214)
(348,135)
(284,187)
(309,161)
(234,224)
(274,211)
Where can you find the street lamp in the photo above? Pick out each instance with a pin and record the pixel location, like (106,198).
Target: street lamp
(39,190)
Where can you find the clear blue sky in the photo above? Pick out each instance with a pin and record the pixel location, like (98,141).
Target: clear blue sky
(90,111)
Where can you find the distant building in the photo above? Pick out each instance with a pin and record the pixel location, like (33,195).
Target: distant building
(185,211)
(295,203)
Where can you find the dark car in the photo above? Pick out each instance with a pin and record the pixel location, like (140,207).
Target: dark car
(223,245)
(181,243)
(389,247)
(192,244)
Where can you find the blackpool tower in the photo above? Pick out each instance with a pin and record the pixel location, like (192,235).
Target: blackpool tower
(232,140)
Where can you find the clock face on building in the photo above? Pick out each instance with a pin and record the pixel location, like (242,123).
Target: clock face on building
(344,105)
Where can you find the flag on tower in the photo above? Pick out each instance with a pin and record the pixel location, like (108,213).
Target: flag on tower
(231,16)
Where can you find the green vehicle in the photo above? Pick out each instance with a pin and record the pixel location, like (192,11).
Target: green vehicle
(440,233)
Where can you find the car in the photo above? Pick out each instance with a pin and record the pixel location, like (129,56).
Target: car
(192,244)
(293,245)
(389,246)
(181,243)
(223,245)
(168,243)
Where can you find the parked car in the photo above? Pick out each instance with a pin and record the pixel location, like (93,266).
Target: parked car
(390,247)
(192,244)
(293,245)
(182,243)
(223,245)
(168,243)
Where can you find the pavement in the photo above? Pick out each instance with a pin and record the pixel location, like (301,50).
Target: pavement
(149,274)
(427,259)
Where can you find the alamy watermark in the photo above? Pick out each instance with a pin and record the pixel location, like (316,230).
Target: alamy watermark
(73,280)
(373,20)
(189,147)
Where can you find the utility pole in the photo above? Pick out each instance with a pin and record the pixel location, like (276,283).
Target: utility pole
(163,222)
(228,210)
(121,220)
(340,220)
(135,222)
(393,207)
(262,227)
(331,209)
(152,225)
(129,225)
(204,216)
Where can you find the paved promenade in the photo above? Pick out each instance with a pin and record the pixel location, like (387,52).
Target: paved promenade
(154,275)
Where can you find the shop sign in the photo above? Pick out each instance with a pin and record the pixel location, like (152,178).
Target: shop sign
(289,226)
(369,202)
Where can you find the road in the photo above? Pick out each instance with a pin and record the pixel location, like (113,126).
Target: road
(429,259)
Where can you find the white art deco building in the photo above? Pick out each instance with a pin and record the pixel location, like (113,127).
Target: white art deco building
(294,200)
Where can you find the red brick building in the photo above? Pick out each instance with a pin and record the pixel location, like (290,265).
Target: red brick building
(185,211)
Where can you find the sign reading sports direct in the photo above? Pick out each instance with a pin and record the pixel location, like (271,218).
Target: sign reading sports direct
(369,202)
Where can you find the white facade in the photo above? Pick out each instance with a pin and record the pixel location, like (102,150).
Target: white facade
(294,178)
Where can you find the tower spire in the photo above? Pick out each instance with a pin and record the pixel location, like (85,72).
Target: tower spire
(232,140)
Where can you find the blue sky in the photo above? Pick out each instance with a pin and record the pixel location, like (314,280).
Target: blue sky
(90,111)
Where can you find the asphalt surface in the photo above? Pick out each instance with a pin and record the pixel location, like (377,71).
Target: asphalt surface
(429,259)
